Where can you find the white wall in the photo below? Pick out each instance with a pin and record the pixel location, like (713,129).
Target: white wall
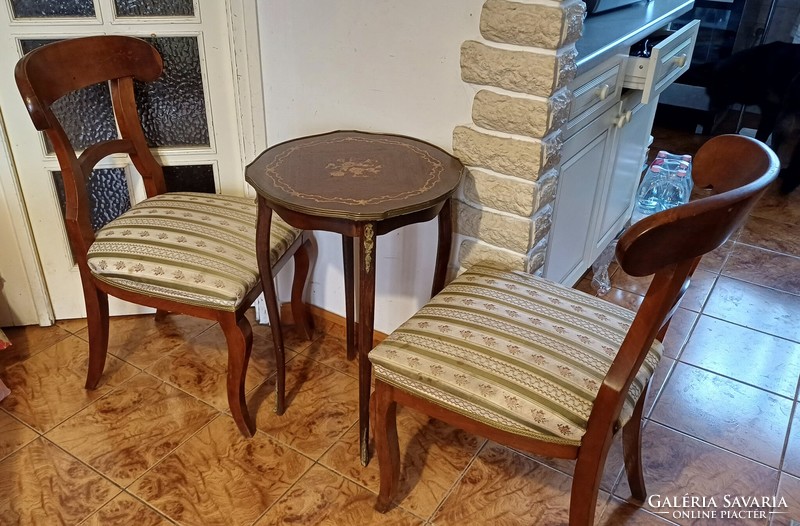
(372,65)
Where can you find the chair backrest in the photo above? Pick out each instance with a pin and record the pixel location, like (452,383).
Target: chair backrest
(52,71)
(669,244)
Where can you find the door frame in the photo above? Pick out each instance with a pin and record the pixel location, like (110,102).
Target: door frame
(242,26)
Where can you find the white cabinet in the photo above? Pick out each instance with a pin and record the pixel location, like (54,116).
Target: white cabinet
(579,184)
(606,139)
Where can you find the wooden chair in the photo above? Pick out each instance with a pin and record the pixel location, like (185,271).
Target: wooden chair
(550,370)
(192,253)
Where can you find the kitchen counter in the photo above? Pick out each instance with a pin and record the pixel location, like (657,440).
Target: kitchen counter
(607,34)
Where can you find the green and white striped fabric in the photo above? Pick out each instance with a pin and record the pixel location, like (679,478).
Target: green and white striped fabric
(513,351)
(188,247)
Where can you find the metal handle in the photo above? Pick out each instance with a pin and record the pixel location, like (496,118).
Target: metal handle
(680,60)
(602,91)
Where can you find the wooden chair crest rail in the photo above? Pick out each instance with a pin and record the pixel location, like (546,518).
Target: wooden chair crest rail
(547,369)
(185,252)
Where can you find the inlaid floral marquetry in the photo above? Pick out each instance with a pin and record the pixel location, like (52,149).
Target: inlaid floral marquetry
(330,174)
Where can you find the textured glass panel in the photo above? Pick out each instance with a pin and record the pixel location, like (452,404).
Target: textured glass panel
(172,108)
(192,178)
(108,195)
(52,8)
(154,7)
(86,114)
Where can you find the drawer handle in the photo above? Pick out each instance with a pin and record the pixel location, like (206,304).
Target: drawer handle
(624,119)
(602,92)
(680,60)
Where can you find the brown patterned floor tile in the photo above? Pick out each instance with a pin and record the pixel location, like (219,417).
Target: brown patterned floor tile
(611,472)
(321,404)
(13,434)
(504,487)
(777,207)
(789,491)
(220,477)
(755,307)
(291,338)
(676,465)
(699,289)
(124,510)
(679,329)
(764,267)
(200,366)
(49,387)
(724,412)
(624,299)
(636,285)
(323,497)
(433,455)
(772,235)
(721,347)
(42,485)
(585,285)
(715,260)
(141,340)
(662,372)
(125,433)
(72,326)
(791,459)
(622,513)
(332,351)
(29,340)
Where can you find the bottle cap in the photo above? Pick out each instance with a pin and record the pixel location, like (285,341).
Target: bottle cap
(655,169)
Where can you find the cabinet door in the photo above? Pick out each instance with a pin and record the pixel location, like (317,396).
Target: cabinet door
(569,245)
(631,138)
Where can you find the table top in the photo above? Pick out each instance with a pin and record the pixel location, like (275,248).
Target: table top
(355,175)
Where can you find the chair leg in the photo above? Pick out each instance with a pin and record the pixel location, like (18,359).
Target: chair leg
(386,444)
(161,314)
(586,484)
(97,320)
(300,311)
(239,336)
(632,448)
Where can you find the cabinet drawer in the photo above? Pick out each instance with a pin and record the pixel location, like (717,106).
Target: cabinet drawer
(593,92)
(668,60)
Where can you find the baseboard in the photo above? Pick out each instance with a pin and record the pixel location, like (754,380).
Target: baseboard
(321,316)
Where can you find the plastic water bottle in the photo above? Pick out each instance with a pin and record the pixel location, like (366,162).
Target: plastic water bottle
(650,196)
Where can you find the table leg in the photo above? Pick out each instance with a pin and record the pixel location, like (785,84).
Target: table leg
(443,248)
(366,314)
(349,294)
(263,232)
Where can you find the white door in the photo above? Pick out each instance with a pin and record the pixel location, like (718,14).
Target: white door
(192,115)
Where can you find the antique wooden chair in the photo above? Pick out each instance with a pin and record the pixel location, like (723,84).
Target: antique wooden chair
(192,253)
(550,370)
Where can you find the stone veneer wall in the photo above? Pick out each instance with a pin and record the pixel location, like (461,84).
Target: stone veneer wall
(512,147)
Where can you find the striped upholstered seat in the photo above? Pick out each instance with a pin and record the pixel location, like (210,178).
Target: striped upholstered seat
(188,247)
(513,351)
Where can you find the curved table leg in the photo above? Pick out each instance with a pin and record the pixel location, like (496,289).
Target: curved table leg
(349,294)
(443,248)
(366,315)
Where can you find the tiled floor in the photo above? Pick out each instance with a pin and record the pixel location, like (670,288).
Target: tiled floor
(155,445)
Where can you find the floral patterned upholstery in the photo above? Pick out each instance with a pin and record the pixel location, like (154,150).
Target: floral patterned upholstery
(513,351)
(188,247)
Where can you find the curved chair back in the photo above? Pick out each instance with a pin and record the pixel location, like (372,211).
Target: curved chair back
(669,244)
(55,70)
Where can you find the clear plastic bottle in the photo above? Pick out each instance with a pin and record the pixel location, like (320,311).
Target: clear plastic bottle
(677,189)
(649,197)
